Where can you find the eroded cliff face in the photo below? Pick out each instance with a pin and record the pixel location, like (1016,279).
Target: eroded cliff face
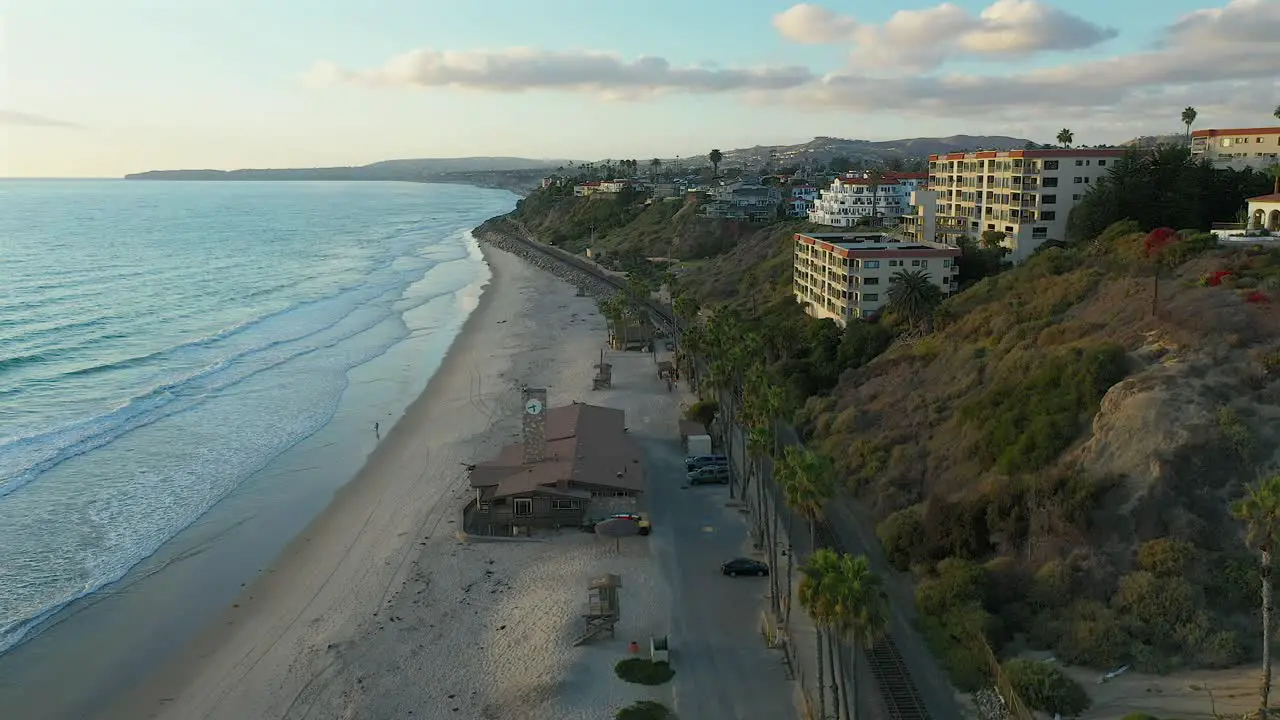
(1182,434)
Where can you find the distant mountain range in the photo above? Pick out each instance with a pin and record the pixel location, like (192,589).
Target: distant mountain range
(419,170)
(818,150)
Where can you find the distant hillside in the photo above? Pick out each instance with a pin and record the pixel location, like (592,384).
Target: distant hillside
(418,170)
(869,152)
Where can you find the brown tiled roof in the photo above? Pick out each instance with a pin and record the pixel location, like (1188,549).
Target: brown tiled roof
(587,447)
(1273,197)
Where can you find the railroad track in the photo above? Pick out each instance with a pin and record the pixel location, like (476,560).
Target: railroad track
(893,678)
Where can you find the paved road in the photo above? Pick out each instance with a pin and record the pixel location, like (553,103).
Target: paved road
(723,667)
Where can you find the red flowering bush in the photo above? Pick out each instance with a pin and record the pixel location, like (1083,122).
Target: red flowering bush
(1157,240)
(1258,297)
(1215,278)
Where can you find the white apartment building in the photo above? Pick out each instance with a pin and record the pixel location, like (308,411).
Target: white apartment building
(600,186)
(1025,194)
(842,276)
(853,197)
(1238,148)
(801,200)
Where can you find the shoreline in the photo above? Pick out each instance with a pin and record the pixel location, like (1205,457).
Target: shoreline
(278,638)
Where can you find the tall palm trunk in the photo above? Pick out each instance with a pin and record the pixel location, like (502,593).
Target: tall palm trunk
(833,661)
(1265,694)
(855,649)
(773,548)
(822,689)
(791,559)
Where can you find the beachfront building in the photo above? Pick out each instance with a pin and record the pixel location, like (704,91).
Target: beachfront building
(611,187)
(741,201)
(845,276)
(1238,148)
(573,462)
(1023,195)
(801,200)
(858,198)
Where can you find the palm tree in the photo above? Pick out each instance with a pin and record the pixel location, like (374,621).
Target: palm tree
(1259,510)
(1188,117)
(1273,171)
(806,480)
(1276,114)
(914,296)
(874,178)
(861,613)
(715,156)
(818,577)
(654,165)
(1065,137)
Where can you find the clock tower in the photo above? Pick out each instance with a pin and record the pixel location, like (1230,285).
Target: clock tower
(534,424)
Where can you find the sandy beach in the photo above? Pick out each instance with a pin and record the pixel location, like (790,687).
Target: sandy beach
(378,610)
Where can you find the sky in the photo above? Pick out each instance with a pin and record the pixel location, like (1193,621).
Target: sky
(100,88)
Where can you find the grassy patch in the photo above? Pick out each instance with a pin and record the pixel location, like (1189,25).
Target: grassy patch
(643,672)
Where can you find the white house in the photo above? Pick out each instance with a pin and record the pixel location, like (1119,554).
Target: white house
(855,196)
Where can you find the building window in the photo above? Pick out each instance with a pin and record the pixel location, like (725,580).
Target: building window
(915,263)
(871,264)
(1048,199)
(1039,233)
(1086,181)
(1079,180)
(1076,197)
(870,297)
(1008,228)
(1048,215)
(1102,163)
(871,281)
(895,263)
(1079,163)
(1050,164)
(1051,182)
(946,262)
(484,507)
(564,504)
(524,507)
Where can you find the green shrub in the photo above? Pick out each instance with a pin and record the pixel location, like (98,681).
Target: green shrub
(1167,557)
(704,411)
(1154,609)
(1087,633)
(643,672)
(958,583)
(963,659)
(1139,716)
(644,710)
(902,536)
(1027,420)
(1045,687)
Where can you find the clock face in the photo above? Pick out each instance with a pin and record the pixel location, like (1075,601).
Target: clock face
(533,407)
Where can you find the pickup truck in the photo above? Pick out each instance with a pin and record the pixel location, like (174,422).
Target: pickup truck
(711,474)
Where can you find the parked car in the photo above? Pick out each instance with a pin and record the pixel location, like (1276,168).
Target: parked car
(711,474)
(694,462)
(744,566)
(589,525)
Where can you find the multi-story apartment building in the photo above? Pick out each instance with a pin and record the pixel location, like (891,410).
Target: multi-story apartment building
(801,200)
(843,276)
(1239,147)
(1024,194)
(852,197)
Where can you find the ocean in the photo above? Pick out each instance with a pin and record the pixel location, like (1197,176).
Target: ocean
(162,342)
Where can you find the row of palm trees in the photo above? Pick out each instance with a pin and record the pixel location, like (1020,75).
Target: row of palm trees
(841,594)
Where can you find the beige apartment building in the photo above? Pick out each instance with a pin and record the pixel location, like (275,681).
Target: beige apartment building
(1025,194)
(842,276)
(1238,148)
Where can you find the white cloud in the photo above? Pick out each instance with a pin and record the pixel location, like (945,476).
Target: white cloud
(813,25)
(916,40)
(10,117)
(522,69)
(1209,53)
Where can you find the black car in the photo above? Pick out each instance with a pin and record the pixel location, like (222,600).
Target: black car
(744,566)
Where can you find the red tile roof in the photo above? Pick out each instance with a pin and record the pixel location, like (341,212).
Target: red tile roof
(1236,131)
(1272,198)
(1061,153)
